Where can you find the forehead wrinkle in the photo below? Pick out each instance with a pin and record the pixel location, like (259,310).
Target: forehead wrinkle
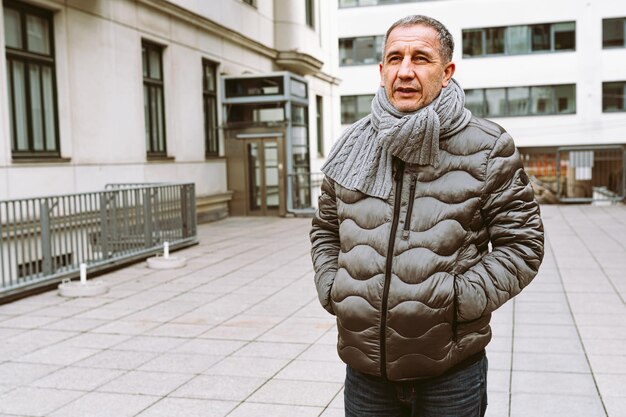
(413,49)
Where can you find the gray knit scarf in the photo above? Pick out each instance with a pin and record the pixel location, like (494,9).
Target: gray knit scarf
(362,157)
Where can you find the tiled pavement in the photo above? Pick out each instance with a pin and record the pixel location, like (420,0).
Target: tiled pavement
(238,332)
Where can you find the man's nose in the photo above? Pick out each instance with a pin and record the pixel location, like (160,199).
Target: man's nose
(406,70)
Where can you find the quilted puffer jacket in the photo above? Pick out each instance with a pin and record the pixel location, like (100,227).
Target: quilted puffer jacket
(411,279)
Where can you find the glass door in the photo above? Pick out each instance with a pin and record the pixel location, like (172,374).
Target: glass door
(264,172)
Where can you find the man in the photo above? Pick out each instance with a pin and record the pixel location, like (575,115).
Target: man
(413,195)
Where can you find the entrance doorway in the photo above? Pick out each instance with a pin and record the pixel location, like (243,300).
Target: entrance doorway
(264,176)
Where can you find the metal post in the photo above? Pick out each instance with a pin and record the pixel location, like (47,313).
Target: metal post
(104,227)
(46,237)
(147,217)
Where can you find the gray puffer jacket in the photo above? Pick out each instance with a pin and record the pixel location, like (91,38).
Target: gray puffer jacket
(411,278)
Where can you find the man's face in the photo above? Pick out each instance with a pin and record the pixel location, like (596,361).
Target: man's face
(412,71)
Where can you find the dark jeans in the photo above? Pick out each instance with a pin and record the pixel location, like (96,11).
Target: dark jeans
(459,394)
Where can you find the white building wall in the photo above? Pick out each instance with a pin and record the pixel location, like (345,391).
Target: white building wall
(100,89)
(587,67)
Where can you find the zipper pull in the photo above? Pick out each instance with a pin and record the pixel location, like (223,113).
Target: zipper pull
(409,210)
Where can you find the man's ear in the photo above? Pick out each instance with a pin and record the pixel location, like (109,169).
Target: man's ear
(380,69)
(448,72)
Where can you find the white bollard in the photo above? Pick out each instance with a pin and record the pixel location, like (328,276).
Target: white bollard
(83,273)
(82,288)
(166,261)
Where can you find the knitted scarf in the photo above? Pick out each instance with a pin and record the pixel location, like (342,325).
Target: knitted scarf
(361,160)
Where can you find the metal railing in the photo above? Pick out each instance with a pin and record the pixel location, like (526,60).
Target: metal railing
(305,191)
(593,174)
(45,239)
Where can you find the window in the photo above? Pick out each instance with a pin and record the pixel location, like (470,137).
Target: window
(613,96)
(360,51)
(209,94)
(309,10)
(522,101)
(521,39)
(250,2)
(257,86)
(154,108)
(613,32)
(319,117)
(354,108)
(31,81)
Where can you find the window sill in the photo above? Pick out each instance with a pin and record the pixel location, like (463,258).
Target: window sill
(160,158)
(214,158)
(40,160)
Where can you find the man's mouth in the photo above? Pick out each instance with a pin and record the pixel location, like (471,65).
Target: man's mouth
(406,90)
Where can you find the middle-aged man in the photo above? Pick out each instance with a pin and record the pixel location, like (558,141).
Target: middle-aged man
(412,197)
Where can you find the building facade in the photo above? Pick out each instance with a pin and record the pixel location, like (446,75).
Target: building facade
(556,80)
(143,91)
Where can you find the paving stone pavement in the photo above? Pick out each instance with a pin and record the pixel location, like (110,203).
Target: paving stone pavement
(238,332)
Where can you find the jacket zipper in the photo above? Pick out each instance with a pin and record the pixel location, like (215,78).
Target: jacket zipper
(392,237)
(409,211)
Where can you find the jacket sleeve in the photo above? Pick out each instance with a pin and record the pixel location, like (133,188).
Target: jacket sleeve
(325,243)
(513,221)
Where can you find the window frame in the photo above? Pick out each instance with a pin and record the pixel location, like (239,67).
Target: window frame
(377,54)
(159,85)
(623,98)
(506,46)
(606,20)
(309,13)
(31,59)
(358,115)
(207,96)
(529,112)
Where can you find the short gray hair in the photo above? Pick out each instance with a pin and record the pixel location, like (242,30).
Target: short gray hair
(446,41)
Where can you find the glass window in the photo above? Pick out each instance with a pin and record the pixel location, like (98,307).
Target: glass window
(261,86)
(518,98)
(474,102)
(472,42)
(613,96)
(38,34)
(540,37)
(564,36)
(495,98)
(522,101)
(319,119)
(541,100)
(354,108)
(298,88)
(565,97)
(154,107)
(255,113)
(309,10)
(518,40)
(298,115)
(30,81)
(209,94)
(613,32)
(363,50)
(12,28)
(348,109)
(363,105)
(494,41)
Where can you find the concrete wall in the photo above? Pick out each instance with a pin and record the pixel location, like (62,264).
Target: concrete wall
(587,67)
